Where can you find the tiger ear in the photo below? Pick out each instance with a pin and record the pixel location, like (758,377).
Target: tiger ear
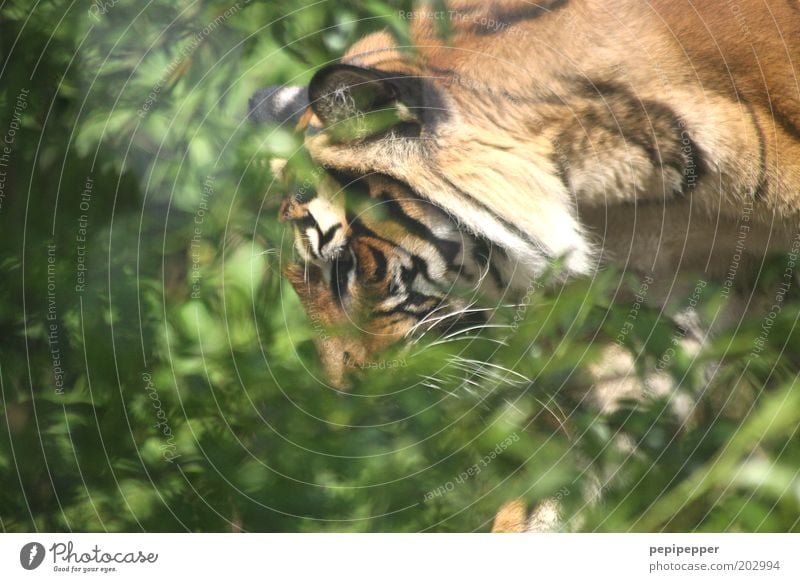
(340,92)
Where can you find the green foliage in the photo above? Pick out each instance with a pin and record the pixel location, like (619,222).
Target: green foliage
(158,374)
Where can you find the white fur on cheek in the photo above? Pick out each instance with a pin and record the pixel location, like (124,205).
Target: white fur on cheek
(329,218)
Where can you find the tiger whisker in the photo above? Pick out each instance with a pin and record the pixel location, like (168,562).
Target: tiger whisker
(437,320)
(483,374)
(424,320)
(469,389)
(561,423)
(474,327)
(469,337)
(474,383)
(432,382)
(428,316)
(485,272)
(483,365)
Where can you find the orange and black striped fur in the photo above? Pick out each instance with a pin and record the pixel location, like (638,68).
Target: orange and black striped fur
(380,263)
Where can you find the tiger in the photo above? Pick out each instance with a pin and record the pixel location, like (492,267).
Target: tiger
(575,133)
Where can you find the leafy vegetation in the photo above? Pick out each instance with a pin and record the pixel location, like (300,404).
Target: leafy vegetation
(158,374)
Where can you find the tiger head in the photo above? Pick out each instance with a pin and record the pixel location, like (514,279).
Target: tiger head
(377,264)
(381,120)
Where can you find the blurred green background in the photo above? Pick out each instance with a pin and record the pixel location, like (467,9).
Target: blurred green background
(157,374)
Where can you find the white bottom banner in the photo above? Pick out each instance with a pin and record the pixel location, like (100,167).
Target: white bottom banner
(388,557)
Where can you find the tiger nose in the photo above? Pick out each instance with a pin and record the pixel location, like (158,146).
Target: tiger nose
(341,358)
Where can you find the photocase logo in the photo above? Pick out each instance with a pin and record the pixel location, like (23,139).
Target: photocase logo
(31,555)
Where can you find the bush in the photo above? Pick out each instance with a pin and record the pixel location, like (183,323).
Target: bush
(157,374)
